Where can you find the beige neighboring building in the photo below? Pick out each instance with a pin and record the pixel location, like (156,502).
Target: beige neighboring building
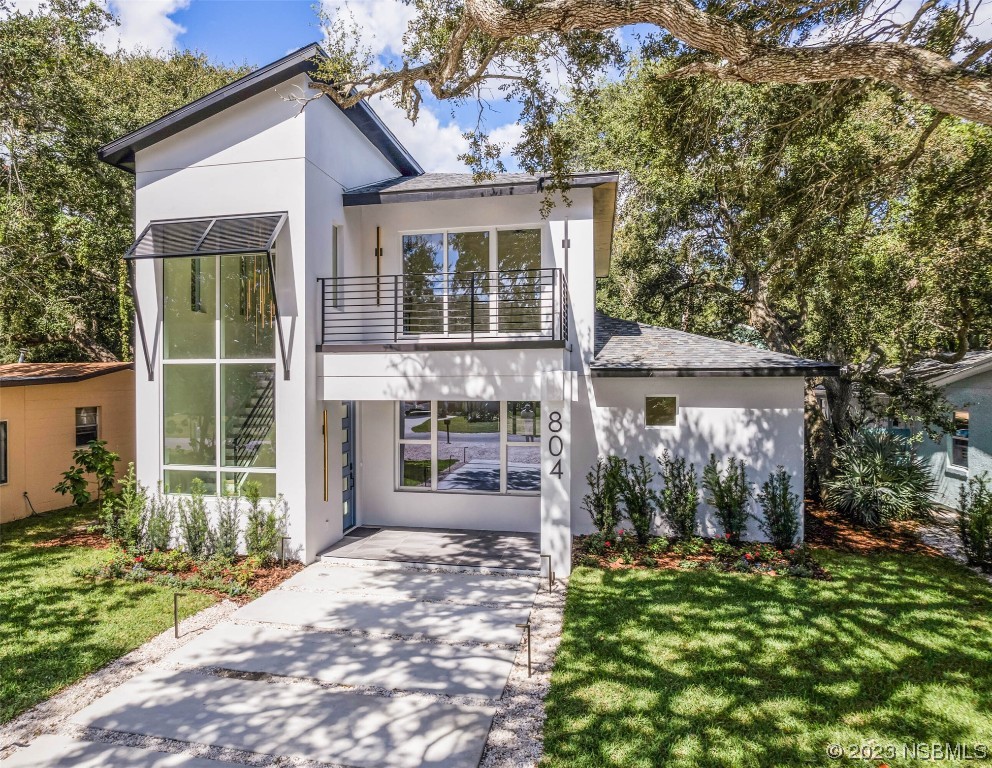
(47,410)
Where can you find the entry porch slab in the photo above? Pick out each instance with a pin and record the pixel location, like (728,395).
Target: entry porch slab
(53,751)
(441,547)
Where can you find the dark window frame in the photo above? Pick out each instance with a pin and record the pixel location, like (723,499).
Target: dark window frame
(4,442)
(87,429)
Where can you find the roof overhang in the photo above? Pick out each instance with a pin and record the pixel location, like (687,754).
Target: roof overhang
(793,371)
(484,189)
(966,373)
(121,152)
(27,381)
(604,213)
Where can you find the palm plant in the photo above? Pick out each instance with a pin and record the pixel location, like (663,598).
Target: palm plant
(877,480)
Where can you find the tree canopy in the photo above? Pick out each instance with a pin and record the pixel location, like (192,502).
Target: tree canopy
(65,217)
(936,51)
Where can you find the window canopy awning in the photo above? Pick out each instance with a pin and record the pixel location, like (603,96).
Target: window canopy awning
(212,236)
(218,235)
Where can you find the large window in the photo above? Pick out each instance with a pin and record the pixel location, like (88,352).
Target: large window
(473,446)
(87,425)
(959,440)
(3,452)
(219,373)
(473,281)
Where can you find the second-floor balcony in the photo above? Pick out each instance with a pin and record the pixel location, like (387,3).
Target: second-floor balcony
(478,310)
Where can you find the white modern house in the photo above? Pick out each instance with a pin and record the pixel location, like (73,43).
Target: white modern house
(388,347)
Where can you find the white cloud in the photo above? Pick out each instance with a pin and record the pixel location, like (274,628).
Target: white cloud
(144,24)
(436,144)
(383,22)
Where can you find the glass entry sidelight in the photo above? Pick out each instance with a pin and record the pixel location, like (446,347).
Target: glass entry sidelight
(348,465)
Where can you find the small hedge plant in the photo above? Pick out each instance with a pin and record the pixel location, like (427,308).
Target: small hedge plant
(780,507)
(975,521)
(678,500)
(728,494)
(602,501)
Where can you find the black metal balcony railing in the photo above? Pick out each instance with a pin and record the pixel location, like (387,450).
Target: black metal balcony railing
(509,308)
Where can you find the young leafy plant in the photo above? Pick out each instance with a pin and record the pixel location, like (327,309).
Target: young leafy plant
(780,506)
(96,460)
(265,524)
(604,479)
(638,498)
(975,521)
(678,500)
(194,525)
(161,519)
(125,514)
(728,494)
(75,484)
(228,531)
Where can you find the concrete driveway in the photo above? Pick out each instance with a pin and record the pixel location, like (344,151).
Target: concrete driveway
(356,666)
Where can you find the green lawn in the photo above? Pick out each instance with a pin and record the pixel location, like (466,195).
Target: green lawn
(669,668)
(416,470)
(458,425)
(56,628)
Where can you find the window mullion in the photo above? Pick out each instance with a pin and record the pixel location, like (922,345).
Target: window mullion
(503,458)
(434,432)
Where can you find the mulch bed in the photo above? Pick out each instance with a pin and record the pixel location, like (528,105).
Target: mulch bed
(826,529)
(271,576)
(78,536)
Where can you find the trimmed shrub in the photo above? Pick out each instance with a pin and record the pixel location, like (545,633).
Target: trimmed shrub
(638,498)
(678,500)
(780,521)
(161,519)
(124,515)
(975,521)
(228,531)
(601,502)
(194,525)
(265,524)
(878,480)
(728,493)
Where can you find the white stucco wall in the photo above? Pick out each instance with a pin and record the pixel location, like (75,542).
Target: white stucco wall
(259,156)
(759,420)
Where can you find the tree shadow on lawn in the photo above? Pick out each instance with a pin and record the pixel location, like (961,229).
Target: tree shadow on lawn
(662,668)
(58,627)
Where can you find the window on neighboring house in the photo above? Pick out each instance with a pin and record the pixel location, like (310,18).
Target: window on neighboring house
(218,377)
(87,425)
(959,440)
(478,446)
(661,411)
(3,452)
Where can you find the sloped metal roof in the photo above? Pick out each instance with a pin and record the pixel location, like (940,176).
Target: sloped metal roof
(121,152)
(215,235)
(625,348)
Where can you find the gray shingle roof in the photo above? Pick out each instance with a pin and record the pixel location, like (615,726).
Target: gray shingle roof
(436,186)
(972,362)
(625,348)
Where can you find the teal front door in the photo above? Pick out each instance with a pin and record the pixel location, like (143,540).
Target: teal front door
(348,465)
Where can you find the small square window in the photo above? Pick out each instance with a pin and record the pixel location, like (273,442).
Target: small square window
(87,426)
(661,411)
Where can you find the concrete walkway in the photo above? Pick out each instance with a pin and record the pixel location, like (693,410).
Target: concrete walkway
(344,666)
(497,550)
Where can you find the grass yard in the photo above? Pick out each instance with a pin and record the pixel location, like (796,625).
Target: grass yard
(458,425)
(417,472)
(56,627)
(670,668)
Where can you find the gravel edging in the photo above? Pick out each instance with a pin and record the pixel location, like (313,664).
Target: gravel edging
(50,715)
(941,533)
(516,738)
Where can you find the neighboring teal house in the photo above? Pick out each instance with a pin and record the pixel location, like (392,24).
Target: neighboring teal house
(968,452)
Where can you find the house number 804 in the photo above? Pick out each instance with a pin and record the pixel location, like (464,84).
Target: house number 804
(555,444)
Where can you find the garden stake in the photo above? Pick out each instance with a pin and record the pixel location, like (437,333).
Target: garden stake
(551,574)
(527,627)
(282,552)
(175,612)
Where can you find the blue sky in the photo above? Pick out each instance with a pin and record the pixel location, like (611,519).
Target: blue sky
(260,31)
